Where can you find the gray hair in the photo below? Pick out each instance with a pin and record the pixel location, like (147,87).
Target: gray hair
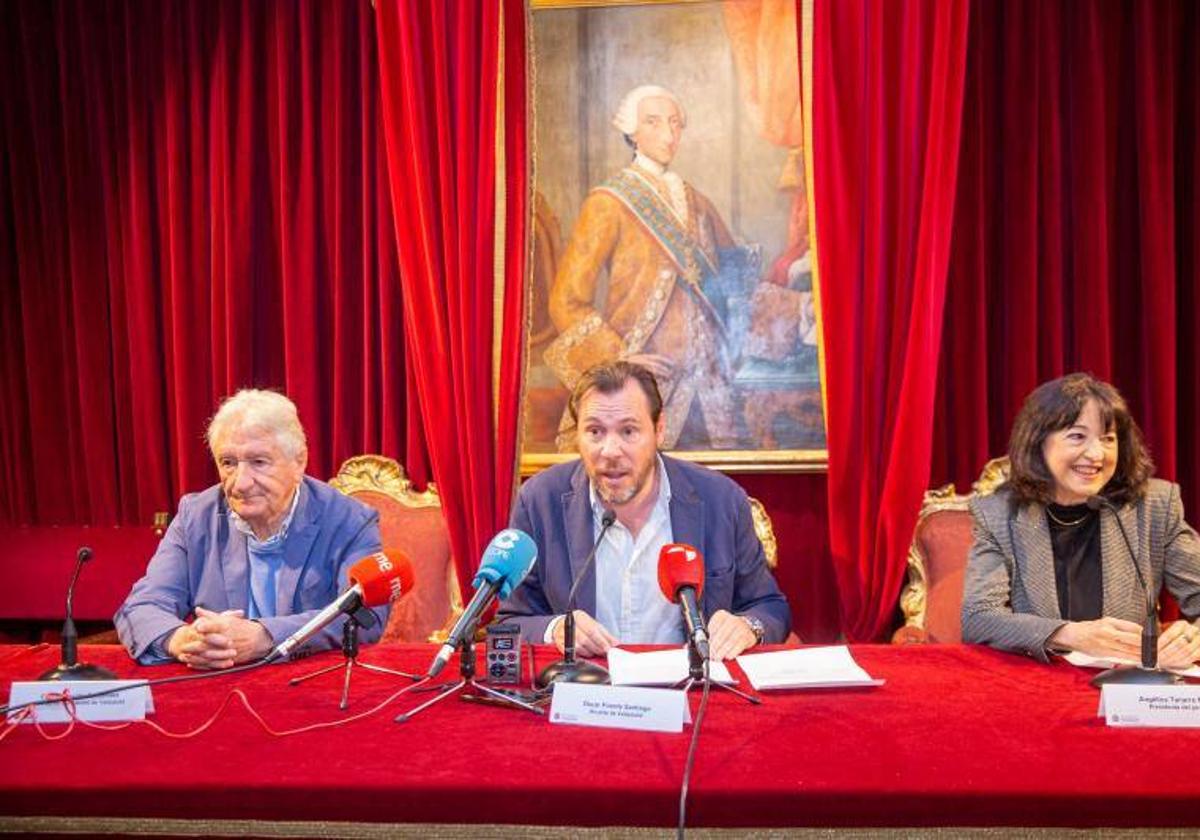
(252,408)
(625,120)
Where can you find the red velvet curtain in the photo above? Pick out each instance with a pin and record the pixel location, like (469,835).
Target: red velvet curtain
(887,104)
(1075,236)
(440,63)
(193,200)
(1072,244)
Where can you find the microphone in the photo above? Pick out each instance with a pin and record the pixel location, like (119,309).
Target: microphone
(70,668)
(1149,672)
(374,580)
(507,559)
(681,579)
(568,669)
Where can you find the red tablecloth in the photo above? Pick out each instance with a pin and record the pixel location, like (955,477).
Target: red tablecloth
(958,736)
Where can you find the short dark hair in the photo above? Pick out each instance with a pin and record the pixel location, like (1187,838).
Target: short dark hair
(1054,406)
(610,377)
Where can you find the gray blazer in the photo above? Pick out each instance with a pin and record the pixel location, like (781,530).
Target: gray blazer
(1010,598)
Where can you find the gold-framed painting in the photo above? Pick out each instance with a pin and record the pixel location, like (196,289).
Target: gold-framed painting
(671,226)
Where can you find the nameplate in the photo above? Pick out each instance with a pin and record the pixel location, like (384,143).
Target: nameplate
(620,707)
(133,703)
(1175,706)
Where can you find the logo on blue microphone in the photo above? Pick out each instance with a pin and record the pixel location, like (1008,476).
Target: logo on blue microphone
(507,539)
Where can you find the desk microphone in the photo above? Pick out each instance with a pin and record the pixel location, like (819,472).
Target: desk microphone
(374,580)
(1149,673)
(681,579)
(69,668)
(569,669)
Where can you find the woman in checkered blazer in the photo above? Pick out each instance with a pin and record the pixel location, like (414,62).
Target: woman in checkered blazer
(1062,549)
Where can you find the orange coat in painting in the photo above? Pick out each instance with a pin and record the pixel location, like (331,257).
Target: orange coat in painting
(629,283)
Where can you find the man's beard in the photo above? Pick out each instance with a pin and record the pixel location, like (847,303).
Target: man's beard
(637,484)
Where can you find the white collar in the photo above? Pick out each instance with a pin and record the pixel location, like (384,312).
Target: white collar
(650,165)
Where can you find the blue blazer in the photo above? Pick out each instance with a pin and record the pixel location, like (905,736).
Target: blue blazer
(203,561)
(708,511)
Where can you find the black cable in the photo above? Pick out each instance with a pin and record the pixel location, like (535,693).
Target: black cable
(691,756)
(237,669)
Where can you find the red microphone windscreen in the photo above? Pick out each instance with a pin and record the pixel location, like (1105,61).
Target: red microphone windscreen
(680,565)
(384,576)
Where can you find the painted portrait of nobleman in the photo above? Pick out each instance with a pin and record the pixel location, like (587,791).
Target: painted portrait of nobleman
(670,223)
(664,247)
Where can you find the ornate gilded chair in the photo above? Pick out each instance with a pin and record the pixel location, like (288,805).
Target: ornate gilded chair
(932,598)
(411,522)
(765,532)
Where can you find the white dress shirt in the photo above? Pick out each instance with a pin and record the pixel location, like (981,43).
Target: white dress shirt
(629,602)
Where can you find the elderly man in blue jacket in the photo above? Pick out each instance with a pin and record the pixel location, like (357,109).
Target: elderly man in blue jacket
(617,410)
(253,558)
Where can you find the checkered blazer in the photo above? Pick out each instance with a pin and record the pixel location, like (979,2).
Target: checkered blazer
(1010,598)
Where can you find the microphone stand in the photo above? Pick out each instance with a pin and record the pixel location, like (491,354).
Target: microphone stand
(466,679)
(1148,673)
(70,668)
(698,676)
(569,669)
(359,618)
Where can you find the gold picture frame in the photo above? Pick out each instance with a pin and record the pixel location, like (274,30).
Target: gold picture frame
(745,390)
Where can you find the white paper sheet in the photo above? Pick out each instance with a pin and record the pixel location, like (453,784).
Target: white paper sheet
(659,667)
(819,667)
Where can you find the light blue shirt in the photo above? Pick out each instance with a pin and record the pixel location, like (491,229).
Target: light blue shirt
(629,602)
(264,557)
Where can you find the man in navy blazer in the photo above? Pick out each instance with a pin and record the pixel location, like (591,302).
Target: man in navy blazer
(254,557)
(657,500)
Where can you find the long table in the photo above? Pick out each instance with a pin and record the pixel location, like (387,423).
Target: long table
(958,736)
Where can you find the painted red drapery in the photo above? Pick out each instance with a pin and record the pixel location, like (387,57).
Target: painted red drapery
(193,202)
(439,65)
(887,99)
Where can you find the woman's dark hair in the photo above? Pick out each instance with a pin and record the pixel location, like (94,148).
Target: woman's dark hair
(1055,405)
(610,377)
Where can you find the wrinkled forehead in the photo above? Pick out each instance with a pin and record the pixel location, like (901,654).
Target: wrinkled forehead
(241,441)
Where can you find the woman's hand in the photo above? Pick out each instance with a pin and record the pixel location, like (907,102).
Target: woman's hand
(1179,645)
(1103,637)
